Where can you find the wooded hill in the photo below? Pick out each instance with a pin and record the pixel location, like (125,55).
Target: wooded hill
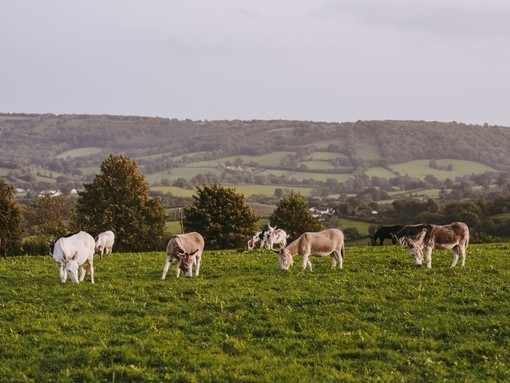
(42,148)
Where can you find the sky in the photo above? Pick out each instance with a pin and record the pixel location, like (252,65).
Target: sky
(312,60)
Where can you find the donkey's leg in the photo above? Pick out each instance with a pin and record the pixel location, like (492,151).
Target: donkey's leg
(428,257)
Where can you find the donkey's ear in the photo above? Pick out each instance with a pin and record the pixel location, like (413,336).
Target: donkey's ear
(75,255)
(409,242)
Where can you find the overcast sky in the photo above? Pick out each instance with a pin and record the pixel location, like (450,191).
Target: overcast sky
(319,60)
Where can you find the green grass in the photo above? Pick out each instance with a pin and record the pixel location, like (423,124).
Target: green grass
(176,191)
(380,172)
(173,227)
(318,165)
(185,172)
(243,320)
(362,226)
(271,159)
(420,168)
(324,156)
(263,210)
(80,152)
(94,170)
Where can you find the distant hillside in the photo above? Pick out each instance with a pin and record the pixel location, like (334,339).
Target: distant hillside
(41,148)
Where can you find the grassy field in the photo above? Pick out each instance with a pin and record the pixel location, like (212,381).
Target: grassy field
(324,156)
(420,168)
(80,152)
(271,159)
(317,165)
(185,172)
(243,320)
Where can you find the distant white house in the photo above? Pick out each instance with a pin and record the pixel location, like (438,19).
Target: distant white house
(239,168)
(51,193)
(317,212)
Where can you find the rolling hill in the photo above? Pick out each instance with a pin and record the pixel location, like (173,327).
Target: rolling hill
(50,149)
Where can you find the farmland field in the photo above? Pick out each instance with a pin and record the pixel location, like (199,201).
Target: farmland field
(421,168)
(317,165)
(324,156)
(272,159)
(79,152)
(243,320)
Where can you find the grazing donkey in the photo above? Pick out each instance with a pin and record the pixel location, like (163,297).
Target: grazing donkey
(71,253)
(318,244)
(104,242)
(186,250)
(453,236)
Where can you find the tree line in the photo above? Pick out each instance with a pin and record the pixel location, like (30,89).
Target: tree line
(118,200)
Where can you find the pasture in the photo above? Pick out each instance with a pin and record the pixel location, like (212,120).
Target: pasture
(244,320)
(270,159)
(80,152)
(421,168)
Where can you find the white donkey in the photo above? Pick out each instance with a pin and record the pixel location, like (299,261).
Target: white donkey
(71,253)
(275,236)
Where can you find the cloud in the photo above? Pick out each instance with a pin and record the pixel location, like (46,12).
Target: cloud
(460,18)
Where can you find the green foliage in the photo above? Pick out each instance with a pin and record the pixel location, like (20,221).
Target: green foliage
(351,233)
(118,200)
(52,217)
(11,232)
(222,216)
(380,319)
(468,212)
(35,246)
(292,215)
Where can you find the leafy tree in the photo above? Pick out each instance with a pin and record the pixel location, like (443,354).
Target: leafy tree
(118,200)
(221,215)
(292,215)
(469,212)
(52,217)
(351,233)
(412,207)
(11,231)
